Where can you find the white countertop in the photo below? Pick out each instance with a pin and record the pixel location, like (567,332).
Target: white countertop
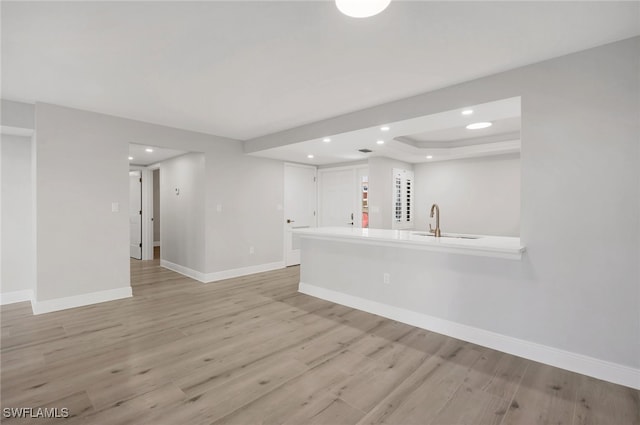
(489,246)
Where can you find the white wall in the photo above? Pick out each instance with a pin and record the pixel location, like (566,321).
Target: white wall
(477,196)
(156,205)
(578,285)
(17,114)
(183,212)
(82,168)
(17,260)
(381,190)
(250,194)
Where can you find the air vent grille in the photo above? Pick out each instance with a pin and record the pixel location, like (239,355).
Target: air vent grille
(365,150)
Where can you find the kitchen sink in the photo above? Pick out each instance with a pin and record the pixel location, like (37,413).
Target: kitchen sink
(431,235)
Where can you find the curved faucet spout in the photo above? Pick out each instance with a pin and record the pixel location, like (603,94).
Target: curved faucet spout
(435,208)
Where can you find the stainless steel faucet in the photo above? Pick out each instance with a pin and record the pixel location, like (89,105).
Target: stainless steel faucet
(435,231)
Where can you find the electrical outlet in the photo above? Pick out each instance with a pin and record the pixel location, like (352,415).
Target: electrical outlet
(252,250)
(386,278)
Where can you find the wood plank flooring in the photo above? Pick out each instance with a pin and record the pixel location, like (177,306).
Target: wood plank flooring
(252,350)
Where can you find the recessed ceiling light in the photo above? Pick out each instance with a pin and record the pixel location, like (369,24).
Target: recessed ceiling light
(130,158)
(467,112)
(149,150)
(326,140)
(310,156)
(479,125)
(380,142)
(360,8)
(429,156)
(384,128)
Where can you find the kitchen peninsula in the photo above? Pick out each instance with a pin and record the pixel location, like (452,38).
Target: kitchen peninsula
(451,285)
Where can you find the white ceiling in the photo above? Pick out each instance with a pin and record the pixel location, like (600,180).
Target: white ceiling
(344,147)
(461,135)
(246,69)
(142,157)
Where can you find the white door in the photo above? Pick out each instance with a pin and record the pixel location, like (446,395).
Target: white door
(135,214)
(299,207)
(341,197)
(338,197)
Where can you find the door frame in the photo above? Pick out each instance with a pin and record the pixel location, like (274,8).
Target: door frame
(147,209)
(135,185)
(285,228)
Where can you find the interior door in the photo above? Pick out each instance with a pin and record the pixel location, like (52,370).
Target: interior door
(135,215)
(343,197)
(299,206)
(338,198)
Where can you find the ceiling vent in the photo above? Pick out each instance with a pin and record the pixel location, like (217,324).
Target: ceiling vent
(365,150)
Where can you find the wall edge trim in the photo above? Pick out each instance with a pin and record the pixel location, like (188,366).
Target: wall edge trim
(223,274)
(16,296)
(185,271)
(579,363)
(64,303)
(243,271)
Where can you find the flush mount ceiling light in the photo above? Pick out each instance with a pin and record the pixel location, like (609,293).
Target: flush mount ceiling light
(130,158)
(429,156)
(149,150)
(361,8)
(479,125)
(380,142)
(467,112)
(326,140)
(310,156)
(385,128)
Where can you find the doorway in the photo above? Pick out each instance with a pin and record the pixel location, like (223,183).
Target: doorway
(343,197)
(299,207)
(135,215)
(155,174)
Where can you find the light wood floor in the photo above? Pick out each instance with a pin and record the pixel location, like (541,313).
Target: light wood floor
(252,350)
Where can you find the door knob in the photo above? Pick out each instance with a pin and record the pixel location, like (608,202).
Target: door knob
(289,221)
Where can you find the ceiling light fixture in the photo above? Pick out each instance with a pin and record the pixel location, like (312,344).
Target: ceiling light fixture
(429,156)
(361,8)
(479,125)
(467,112)
(385,128)
(326,140)
(149,150)
(380,142)
(130,158)
(310,156)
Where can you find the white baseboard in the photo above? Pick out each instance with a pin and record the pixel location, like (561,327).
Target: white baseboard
(156,243)
(243,271)
(612,372)
(221,275)
(16,297)
(193,274)
(56,304)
